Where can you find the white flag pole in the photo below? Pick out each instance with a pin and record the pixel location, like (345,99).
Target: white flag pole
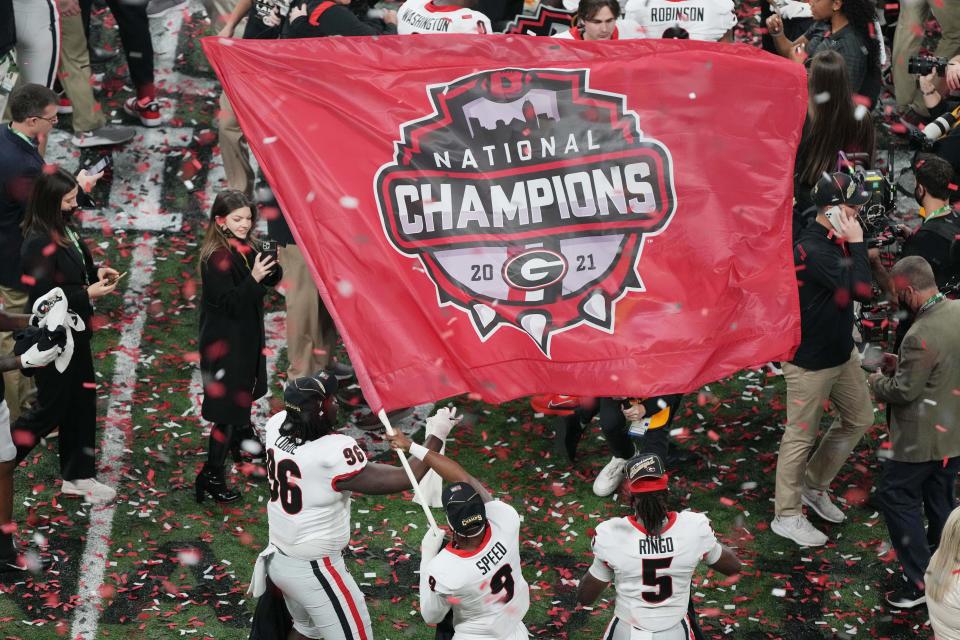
(406,467)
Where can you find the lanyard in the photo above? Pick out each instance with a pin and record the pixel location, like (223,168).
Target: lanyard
(76,245)
(934,299)
(936,213)
(22,135)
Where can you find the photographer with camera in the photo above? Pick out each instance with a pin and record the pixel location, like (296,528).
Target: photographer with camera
(911,27)
(236,275)
(832,271)
(936,237)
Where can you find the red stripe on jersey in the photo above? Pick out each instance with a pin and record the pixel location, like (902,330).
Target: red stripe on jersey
(671,518)
(344,476)
(314,18)
(346,594)
(469,554)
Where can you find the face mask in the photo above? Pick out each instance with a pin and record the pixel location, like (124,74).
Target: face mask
(68,214)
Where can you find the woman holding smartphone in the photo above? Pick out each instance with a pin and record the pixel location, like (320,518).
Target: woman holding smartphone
(54,255)
(235,274)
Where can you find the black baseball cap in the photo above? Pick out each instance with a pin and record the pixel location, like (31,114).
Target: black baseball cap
(838,188)
(466,512)
(646,473)
(310,389)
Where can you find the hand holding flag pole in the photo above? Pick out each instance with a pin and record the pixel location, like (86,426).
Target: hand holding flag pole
(406,467)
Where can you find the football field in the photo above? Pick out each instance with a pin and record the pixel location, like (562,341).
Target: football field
(155,564)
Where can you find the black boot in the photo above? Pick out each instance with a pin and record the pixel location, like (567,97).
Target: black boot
(569,430)
(211,482)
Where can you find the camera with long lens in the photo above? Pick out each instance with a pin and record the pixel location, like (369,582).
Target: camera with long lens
(923,65)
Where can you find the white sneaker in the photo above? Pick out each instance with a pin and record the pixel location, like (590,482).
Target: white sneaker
(820,502)
(104,136)
(610,477)
(90,490)
(798,529)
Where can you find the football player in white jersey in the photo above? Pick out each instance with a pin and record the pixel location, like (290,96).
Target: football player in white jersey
(599,20)
(710,20)
(312,471)
(650,557)
(478,575)
(441,16)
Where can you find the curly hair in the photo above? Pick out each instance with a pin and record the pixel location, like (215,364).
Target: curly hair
(862,14)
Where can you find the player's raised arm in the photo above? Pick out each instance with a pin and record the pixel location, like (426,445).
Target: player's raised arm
(449,470)
(379,479)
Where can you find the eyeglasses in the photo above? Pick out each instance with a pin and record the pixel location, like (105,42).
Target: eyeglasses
(52,119)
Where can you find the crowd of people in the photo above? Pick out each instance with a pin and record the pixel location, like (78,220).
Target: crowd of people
(471,581)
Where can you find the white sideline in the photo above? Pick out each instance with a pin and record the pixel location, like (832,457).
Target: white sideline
(97,549)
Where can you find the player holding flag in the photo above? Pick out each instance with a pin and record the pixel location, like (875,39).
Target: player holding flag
(477,575)
(650,557)
(312,471)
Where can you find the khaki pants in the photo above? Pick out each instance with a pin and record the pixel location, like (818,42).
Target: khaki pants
(75,76)
(234,150)
(311,334)
(906,43)
(807,393)
(19,390)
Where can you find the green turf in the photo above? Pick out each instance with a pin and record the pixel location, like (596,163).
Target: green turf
(179,569)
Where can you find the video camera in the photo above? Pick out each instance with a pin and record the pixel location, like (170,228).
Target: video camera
(923,65)
(879,228)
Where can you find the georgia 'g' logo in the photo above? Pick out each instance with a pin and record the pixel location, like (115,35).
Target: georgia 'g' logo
(527,196)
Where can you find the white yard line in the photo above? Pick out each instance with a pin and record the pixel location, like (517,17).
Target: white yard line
(113,445)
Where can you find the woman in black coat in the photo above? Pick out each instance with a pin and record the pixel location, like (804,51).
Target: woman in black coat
(235,277)
(54,255)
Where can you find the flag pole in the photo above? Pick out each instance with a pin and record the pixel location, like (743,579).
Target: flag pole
(406,467)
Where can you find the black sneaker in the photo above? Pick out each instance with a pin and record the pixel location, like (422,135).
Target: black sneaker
(341,371)
(906,596)
(16,563)
(569,431)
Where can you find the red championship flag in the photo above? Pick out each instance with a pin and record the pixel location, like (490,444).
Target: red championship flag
(509,215)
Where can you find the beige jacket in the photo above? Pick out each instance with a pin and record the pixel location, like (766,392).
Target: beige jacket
(924,392)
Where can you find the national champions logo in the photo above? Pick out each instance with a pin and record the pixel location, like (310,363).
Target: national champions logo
(527,196)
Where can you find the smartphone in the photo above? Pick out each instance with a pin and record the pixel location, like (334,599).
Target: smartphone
(833,215)
(104,162)
(117,279)
(269,248)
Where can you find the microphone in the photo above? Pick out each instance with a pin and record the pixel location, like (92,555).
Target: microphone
(942,125)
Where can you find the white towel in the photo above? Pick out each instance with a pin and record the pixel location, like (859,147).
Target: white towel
(258,583)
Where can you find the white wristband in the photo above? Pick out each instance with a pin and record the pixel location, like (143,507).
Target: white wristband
(418,451)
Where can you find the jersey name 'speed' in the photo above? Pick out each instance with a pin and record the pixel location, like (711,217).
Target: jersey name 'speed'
(492,558)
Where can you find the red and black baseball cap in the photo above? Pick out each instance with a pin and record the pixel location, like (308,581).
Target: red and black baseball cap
(646,473)
(466,512)
(838,188)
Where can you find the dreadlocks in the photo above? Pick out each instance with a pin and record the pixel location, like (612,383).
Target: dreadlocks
(306,424)
(651,510)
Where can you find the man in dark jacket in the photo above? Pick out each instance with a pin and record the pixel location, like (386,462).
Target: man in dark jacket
(832,272)
(318,18)
(921,475)
(33,109)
